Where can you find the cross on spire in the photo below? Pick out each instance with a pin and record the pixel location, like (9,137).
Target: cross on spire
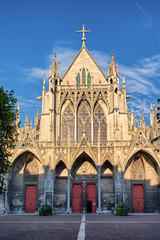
(83,38)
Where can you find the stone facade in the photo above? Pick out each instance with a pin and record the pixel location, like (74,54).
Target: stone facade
(85,135)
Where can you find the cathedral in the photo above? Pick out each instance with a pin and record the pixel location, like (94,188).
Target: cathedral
(85,154)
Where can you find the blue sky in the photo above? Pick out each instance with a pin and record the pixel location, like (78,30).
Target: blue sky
(31,31)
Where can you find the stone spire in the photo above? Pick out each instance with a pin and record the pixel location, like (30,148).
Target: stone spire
(54,67)
(124,85)
(113,69)
(59,69)
(151,116)
(132,118)
(44,83)
(143,120)
(26,121)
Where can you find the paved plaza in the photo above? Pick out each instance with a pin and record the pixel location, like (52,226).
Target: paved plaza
(80,227)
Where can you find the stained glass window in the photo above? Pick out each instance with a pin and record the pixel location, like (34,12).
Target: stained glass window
(83,77)
(89,80)
(78,80)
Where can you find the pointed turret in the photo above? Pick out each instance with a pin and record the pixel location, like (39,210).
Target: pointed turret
(26,121)
(36,121)
(59,69)
(151,116)
(143,120)
(132,118)
(112,70)
(44,83)
(124,85)
(140,122)
(54,67)
(117,68)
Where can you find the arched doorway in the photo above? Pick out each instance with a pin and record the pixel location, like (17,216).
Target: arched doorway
(141,183)
(107,187)
(84,184)
(60,188)
(26,184)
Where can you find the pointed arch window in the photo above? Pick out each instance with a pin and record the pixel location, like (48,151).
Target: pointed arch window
(83,77)
(89,80)
(78,80)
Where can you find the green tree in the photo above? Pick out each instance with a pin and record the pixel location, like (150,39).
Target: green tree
(7,131)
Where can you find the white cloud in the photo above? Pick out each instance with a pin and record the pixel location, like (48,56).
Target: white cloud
(34,74)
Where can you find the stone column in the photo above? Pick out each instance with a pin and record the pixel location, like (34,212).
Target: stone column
(92,125)
(99,210)
(52,189)
(84,197)
(69,193)
(75,119)
(118,180)
(45,182)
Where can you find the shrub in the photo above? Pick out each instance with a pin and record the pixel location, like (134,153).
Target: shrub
(45,210)
(119,211)
(123,209)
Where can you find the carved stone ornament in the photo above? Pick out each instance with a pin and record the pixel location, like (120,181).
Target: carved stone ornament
(86,169)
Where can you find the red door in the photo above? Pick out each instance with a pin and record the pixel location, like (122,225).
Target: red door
(77,198)
(91,198)
(138,198)
(30,199)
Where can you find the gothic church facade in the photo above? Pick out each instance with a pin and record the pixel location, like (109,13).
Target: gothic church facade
(85,152)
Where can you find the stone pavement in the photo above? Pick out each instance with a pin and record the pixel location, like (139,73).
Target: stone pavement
(80,227)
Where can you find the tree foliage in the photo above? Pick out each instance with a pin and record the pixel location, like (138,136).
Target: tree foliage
(7,131)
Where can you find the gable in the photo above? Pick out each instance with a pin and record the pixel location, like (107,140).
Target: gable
(83,60)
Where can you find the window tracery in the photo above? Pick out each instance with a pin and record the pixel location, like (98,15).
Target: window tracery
(68,123)
(83,77)
(78,80)
(89,80)
(99,123)
(84,120)
(137,170)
